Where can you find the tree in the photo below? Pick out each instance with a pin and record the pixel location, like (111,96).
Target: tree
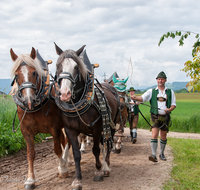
(192,68)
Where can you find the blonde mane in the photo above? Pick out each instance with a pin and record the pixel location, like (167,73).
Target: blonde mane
(35,63)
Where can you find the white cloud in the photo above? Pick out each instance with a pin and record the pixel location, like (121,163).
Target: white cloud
(114,32)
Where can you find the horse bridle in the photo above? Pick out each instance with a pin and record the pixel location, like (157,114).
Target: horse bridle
(68,75)
(27,85)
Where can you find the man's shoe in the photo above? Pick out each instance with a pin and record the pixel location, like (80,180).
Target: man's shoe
(162,157)
(134,141)
(153,158)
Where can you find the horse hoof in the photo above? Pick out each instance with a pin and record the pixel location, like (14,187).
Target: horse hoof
(134,141)
(29,186)
(64,175)
(77,188)
(106,173)
(77,184)
(98,178)
(117,151)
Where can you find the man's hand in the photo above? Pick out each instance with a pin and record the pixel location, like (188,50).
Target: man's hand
(167,110)
(133,97)
(137,98)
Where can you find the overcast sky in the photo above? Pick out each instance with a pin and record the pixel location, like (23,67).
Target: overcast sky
(112,30)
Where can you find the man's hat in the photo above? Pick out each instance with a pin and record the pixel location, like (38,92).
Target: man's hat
(131,89)
(161,75)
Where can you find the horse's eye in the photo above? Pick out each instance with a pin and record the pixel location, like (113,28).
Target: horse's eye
(16,76)
(34,73)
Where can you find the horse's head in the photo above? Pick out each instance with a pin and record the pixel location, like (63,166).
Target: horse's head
(120,85)
(27,73)
(70,70)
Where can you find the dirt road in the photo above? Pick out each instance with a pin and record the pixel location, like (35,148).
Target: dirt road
(130,169)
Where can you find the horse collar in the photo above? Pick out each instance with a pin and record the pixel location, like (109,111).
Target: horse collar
(83,104)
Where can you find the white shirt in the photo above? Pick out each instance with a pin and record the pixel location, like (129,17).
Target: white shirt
(162,105)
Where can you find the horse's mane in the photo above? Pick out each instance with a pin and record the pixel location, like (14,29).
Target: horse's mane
(72,54)
(35,63)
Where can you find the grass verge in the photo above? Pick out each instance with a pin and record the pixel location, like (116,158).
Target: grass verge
(186,165)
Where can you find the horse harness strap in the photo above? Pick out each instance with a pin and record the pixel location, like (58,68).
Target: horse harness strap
(80,107)
(106,119)
(118,100)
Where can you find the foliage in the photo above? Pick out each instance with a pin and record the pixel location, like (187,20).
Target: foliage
(192,68)
(183,90)
(183,35)
(185,173)
(10,142)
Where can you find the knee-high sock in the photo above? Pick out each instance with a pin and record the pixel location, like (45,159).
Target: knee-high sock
(154,145)
(162,146)
(134,131)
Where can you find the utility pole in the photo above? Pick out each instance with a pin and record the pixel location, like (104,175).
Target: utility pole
(104,77)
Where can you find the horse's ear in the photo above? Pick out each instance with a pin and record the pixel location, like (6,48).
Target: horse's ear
(13,55)
(126,80)
(58,50)
(33,53)
(79,51)
(114,79)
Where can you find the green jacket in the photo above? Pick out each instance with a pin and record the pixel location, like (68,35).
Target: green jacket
(154,102)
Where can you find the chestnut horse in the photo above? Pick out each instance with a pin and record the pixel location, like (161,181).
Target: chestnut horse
(83,141)
(120,85)
(37,111)
(79,101)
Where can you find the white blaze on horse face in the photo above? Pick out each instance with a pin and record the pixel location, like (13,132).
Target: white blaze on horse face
(28,90)
(68,66)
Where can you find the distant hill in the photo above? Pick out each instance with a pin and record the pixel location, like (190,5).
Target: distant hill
(174,85)
(5,85)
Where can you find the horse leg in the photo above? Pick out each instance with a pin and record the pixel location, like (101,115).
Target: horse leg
(67,150)
(88,141)
(118,144)
(58,139)
(98,175)
(106,163)
(30,181)
(72,135)
(82,141)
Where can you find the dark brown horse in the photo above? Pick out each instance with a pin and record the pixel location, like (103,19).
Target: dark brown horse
(88,110)
(120,85)
(37,111)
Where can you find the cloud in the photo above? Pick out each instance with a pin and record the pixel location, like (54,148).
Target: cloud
(113,32)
